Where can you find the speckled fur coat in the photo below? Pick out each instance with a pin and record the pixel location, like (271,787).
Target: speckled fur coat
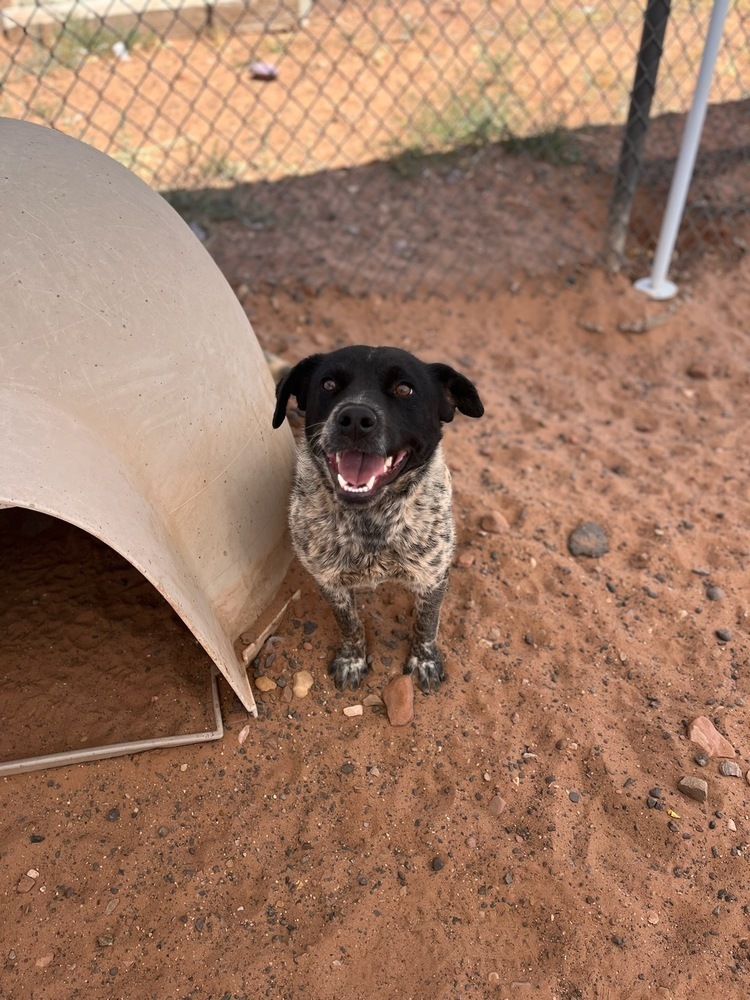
(406,535)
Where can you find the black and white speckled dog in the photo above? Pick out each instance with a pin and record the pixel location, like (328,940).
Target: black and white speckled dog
(372,495)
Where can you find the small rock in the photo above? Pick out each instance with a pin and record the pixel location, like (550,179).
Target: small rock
(44,961)
(730,769)
(574,796)
(243,735)
(353,710)
(105,940)
(496,806)
(715,594)
(25,884)
(32,873)
(437,864)
(264,683)
(701,758)
(694,788)
(703,732)
(263,71)
(36,838)
(724,634)
(113,815)
(303,681)
(731,826)
(588,539)
(464,560)
(398,696)
(697,370)
(372,701)
(652,917)
(494,523)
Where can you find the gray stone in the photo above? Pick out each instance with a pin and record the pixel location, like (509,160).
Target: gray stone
(694,788)
(588,539)
(730,769)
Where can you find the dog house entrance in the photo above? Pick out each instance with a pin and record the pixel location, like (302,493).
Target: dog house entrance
(90,650)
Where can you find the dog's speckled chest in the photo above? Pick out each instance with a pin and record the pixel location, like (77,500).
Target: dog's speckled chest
(407,535)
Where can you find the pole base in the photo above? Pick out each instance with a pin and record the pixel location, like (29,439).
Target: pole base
(659,290)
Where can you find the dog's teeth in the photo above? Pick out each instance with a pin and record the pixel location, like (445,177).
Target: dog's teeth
(388,463)
(342,482)
(370,484)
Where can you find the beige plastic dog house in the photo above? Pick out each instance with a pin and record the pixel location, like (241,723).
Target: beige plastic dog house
(135,401)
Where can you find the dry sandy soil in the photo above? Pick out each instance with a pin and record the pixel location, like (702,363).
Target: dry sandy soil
(502,844)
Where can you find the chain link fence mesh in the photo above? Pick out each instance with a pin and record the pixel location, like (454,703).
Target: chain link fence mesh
(273,114)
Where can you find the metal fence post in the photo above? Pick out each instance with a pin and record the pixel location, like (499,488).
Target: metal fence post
(631,153)
(656,285)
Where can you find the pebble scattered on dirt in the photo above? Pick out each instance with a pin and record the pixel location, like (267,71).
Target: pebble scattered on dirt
(730,769)
(588,539)
(494,522)
(265,683)
(398,696)
(496,806)
(703,732)
(694,788)
(303,682)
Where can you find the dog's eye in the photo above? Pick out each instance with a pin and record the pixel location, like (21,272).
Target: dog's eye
(329,385)
(403,390)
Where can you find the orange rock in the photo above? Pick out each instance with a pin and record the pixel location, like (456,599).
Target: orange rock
(398,696)
(703,732)
(494,522)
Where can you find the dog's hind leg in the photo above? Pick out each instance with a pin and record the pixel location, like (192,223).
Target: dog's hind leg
(425,659)
(349,665)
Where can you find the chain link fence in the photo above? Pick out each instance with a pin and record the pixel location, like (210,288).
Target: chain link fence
(400,137)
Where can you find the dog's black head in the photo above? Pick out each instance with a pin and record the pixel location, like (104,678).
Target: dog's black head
(373,413)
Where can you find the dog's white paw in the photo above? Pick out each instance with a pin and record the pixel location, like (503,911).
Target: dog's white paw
(428,667)
(348,671)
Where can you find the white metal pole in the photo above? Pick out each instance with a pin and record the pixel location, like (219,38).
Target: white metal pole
(656,285)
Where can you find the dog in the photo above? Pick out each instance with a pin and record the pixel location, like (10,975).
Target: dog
(371,500)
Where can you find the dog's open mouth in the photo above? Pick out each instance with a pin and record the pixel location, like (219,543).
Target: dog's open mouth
(359,474)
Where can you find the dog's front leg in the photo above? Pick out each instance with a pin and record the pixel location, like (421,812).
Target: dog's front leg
(349,665)
(425,659)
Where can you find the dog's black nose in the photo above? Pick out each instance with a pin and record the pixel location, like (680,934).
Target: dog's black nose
(356,421)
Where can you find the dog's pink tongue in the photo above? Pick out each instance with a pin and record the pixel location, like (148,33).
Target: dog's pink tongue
(357,468)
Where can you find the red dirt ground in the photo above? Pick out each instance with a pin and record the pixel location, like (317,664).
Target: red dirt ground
(335,857)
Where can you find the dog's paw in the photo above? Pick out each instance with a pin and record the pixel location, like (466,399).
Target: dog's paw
(427,665)
(348,671)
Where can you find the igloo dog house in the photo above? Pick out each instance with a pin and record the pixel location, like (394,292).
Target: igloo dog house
(135,401)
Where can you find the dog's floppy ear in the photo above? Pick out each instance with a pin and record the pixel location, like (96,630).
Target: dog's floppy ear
(457,392)
(296,384)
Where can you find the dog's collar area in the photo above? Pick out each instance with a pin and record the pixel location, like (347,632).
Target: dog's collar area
(360,474)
